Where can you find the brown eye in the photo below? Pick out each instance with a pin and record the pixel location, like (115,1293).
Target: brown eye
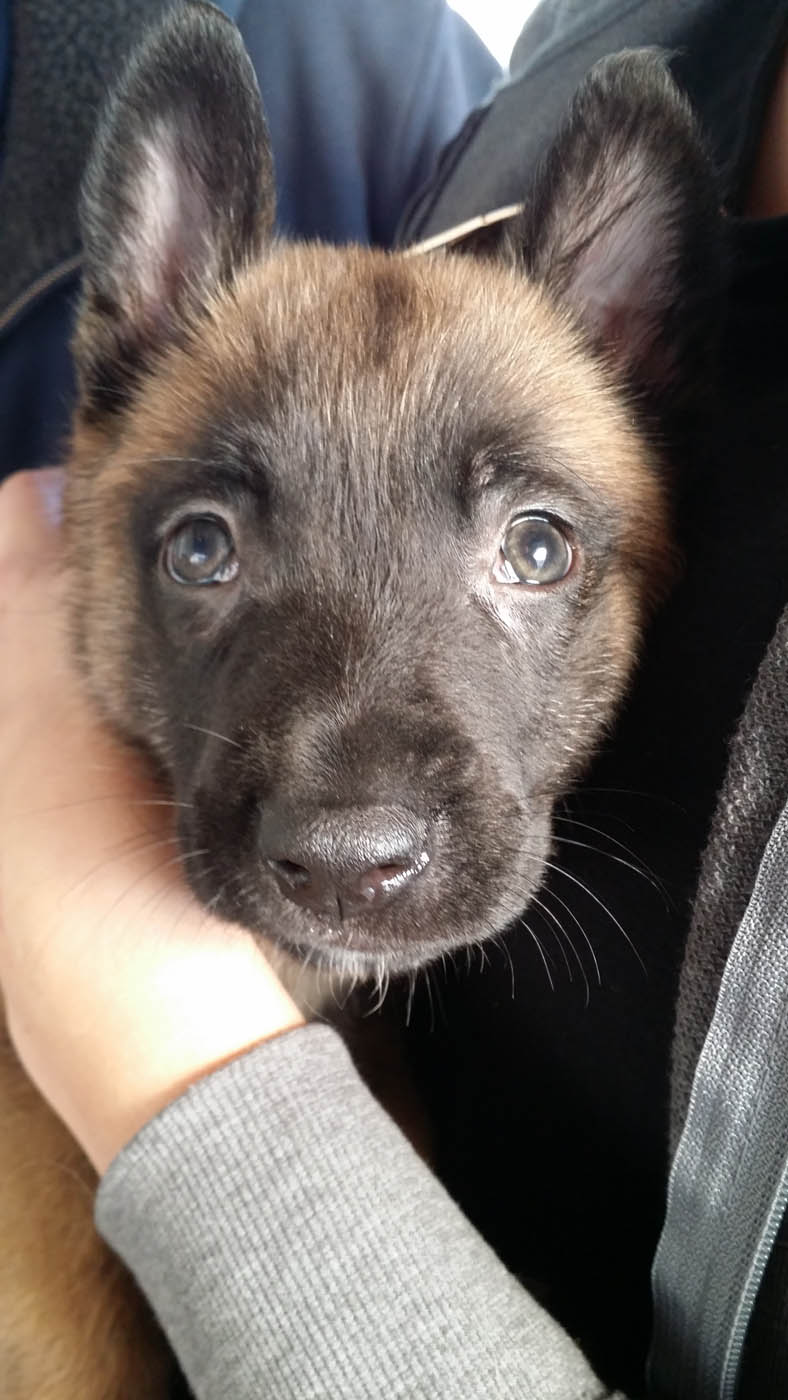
(534,550)
(201,551)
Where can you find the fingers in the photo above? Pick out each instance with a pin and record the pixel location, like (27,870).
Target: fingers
(30,512)
(30,547)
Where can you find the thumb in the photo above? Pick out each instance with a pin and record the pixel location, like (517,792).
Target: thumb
(30,515)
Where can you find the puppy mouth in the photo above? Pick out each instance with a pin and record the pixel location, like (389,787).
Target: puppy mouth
(436,887)
(399,939)
(362,964)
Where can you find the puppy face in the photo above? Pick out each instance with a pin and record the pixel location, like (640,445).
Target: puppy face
(361,544)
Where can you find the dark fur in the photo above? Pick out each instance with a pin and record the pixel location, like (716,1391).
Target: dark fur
(367,425)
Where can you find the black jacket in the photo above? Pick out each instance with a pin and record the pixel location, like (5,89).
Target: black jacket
(585,1115)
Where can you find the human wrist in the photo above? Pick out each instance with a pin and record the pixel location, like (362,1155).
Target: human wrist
(195,995)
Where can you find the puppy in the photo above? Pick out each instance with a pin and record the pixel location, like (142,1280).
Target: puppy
(361,547)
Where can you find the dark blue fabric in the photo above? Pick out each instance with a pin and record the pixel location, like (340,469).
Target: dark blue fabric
(37,383)
(360,96)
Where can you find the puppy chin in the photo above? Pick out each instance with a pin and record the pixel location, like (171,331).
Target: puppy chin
(363,951)
(351,953)
(411,932)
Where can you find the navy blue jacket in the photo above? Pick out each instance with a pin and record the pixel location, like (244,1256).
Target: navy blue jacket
(360,97)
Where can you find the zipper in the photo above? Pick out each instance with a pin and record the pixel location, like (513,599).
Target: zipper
(733,1355)
(728,1187)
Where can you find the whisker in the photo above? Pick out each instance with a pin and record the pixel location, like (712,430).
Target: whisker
(123,849)
(541,951)
(598,831)
(212,734)
(381,985)
(570,911)
(411,991)
(145,875)
(188,461)
(575,881)
(501,943)
(188,903)
(640,865)
(158,897)
(428,984)
(537,903)
(215,899)
(634,792)
(553,917)
(157,802)
(609,855)
(79,802)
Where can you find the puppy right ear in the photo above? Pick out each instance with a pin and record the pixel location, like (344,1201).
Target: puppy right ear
(177,196)
(622,226)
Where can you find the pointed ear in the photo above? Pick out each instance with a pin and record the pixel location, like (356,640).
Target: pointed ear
(623,227)
(178,194)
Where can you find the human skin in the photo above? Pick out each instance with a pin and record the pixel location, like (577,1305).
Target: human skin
(119,990)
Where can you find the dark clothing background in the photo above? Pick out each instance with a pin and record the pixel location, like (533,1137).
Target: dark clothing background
(359,96)
(553,1105)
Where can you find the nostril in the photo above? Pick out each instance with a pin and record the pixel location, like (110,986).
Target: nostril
(296,876)
(352,860)
(381,882)
(377,884)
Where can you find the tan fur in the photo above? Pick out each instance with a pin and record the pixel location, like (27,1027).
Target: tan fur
(71,1325)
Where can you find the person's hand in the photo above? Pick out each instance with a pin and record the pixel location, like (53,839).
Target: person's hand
(119,989)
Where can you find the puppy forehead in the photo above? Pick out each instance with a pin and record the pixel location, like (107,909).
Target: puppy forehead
(372,311)
(376,356)
(341,340)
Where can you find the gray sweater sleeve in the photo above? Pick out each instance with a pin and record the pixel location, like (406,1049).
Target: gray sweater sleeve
(294,1245)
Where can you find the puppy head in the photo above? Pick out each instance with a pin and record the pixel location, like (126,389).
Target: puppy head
(361,544)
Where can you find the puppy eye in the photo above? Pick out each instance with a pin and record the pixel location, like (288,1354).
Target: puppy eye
(534,550)
(201,551)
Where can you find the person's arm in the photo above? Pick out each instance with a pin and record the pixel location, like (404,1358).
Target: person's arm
(289,1238)
(119,990)
(294,1245)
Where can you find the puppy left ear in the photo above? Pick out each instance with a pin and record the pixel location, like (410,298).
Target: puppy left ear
(623,227)
(178,195)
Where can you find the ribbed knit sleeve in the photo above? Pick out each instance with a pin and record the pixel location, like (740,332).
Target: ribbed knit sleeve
(294,1245)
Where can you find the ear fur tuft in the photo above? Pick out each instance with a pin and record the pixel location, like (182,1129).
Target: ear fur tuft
(623,226)
(178,194)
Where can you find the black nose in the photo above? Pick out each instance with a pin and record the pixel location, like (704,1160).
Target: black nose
(344,862)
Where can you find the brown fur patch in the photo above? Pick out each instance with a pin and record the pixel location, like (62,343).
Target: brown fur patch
(72,1324)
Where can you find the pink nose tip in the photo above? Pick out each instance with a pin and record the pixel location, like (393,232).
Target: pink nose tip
(348,862)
